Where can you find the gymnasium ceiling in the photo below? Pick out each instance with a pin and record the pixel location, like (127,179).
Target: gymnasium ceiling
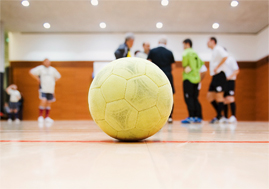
(180,16)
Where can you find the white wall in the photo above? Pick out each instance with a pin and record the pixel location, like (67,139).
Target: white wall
(262,43)
(101,47)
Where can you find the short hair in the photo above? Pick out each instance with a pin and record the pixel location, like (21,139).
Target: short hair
(214,39)
(163,39)
(188,41)
(129,36)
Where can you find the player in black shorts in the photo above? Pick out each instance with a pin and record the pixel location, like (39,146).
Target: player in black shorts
(218,84)
(232,71)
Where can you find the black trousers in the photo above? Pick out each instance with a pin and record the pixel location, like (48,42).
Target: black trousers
(191,94)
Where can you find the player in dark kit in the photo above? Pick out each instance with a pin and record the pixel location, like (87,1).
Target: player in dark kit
(164,59)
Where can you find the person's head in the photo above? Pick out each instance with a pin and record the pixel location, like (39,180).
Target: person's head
(187,43)
(146,47)
(14,87)
(163,40)
(46,62)
(212,42)
(129,39)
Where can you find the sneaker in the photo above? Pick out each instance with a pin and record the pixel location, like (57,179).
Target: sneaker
(9,120)
(223,120)
(49,120)
(17,121)
(170,120)
(214,120)
(40,119)
(188,120)
(198,120)
(232,119)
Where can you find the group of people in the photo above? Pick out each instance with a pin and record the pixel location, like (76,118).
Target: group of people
(46,76)
(223,69)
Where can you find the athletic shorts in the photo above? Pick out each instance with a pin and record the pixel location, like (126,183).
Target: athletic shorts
(218,83)
(47,96)
(230,88)
(14,105)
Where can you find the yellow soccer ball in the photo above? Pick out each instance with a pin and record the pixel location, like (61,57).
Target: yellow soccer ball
(130,99)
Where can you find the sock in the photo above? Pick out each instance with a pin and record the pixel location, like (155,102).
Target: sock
(220,108)
(226,110)
(215,105)
(233,108)
(41,109)
(16,115)
(47,112)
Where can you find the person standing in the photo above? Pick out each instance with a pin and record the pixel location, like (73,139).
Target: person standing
(203,71)
(15,96)
(144,54)
(46,76)
(191,64)
(219,81)
(164,59)
(124,49)
(232,70)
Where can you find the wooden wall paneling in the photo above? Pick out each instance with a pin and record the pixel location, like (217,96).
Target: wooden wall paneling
(72,91)
(262,95)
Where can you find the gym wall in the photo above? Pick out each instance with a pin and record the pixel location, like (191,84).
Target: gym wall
(72,90)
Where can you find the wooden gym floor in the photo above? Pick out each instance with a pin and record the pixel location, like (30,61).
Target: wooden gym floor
(77,154)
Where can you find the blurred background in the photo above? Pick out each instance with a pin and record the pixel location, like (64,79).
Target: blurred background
(74,34)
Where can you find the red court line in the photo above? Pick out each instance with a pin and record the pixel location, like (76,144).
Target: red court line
(111,141)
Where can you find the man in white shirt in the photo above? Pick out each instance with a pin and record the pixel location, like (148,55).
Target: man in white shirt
(219,81)
(15,96)
(144,55)
(232,71)
(46,77)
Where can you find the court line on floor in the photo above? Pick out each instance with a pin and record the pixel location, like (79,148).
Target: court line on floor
(112,141)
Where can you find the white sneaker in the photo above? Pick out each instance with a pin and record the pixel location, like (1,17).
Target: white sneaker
(9,120)
(222,120)
(49,120)
(40,119)
(170,120)
(232,119)
(17,121)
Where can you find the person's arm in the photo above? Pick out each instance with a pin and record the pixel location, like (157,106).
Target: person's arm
(235,73)
(8,89)
(220,64)
(149,58)
(202,75)
(34,73)
(57,75)
(19,96)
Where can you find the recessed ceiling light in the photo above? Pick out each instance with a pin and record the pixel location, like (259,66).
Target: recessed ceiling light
(25,3)
(164,2)
(94,2)
(215,26)
(159,25)
(234,3)
(102,25)
(46,25)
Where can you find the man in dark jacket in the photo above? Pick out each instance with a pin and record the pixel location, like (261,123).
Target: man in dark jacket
(164,59)
(124,49)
